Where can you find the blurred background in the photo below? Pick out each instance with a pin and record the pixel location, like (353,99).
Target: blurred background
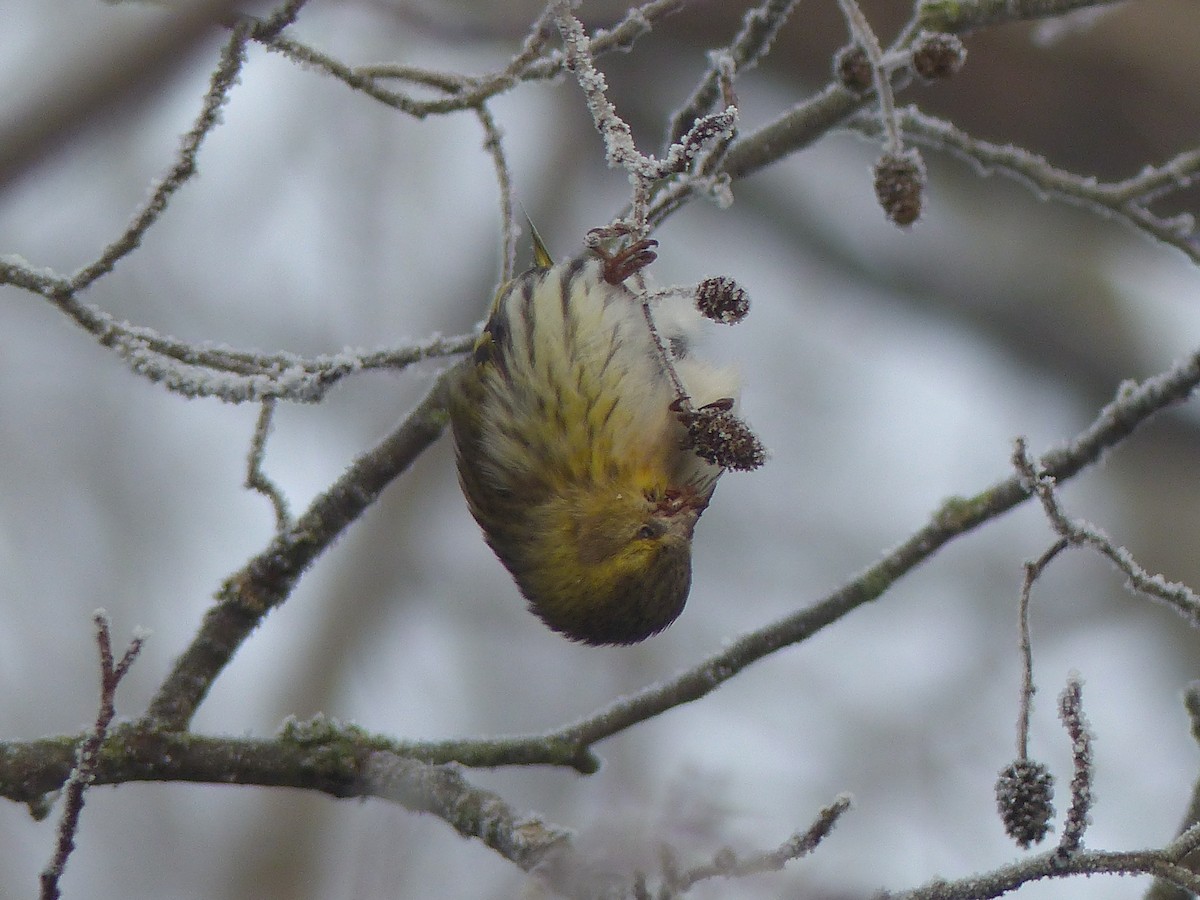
(885,369)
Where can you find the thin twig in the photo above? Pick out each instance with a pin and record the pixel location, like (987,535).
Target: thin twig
(494,145)
(798,845)
(224,76)
(1176,595)
(531,63)
(862,32)
(1033,571)
(88,755)
(752,43)
(256,479)
(620,150)
(1127,200)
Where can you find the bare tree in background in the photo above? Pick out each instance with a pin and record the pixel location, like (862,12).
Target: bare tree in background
(707,151)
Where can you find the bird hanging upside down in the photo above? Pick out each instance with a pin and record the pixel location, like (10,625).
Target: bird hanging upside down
(588,445)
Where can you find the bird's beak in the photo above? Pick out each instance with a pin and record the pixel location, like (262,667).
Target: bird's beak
(683,521)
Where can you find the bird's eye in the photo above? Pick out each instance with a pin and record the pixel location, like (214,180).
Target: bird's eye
(649,531)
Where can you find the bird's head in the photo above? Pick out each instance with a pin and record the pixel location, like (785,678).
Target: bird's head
(609,566)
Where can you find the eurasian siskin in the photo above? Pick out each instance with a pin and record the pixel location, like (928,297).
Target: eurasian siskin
(580,459)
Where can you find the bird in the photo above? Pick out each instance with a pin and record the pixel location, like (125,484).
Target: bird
(575,433)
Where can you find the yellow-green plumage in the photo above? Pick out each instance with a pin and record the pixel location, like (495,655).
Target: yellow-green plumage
(571,459)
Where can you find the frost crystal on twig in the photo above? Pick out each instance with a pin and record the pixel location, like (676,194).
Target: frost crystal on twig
(1070,710)
(1080,533)
(705,135)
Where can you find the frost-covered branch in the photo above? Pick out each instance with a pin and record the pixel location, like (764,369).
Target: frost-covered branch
(1079,533)
(224,76)
(1128,200)
(689,160)
(341,762)
(206,370)
(533,62)
(759,27)
(201,369)
(1161,863)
